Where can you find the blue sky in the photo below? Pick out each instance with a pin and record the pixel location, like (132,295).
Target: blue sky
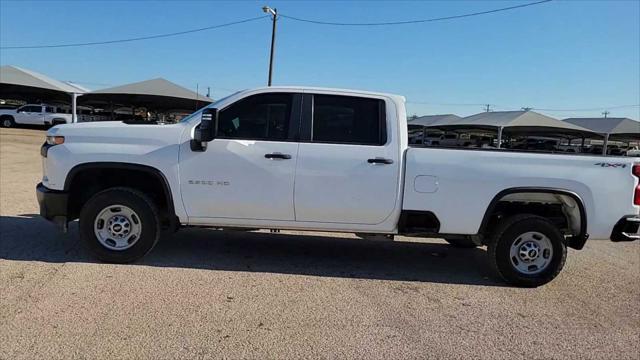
(558,55)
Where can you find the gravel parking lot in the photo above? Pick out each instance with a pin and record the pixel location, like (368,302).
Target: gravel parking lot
(213,294)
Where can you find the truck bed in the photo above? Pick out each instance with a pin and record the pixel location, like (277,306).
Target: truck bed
(457,185)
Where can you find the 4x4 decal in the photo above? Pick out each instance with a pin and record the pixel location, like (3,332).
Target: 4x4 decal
(613,165)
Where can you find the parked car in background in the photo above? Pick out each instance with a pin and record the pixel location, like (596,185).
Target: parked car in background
(32,114)
(615,150)
(633,151)
(536,144)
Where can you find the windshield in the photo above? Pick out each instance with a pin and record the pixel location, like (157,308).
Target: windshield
(197,113)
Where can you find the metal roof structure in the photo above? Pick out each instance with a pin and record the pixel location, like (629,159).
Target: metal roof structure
(530,122)
(611,126)
(157,94)
(21,84)
(27,85)
(432,120)
(13,75)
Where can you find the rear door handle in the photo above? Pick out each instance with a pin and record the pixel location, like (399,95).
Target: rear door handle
(277,156)
(379,160)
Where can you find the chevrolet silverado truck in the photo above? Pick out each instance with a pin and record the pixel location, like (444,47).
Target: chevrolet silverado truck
(30,114)
(329,160)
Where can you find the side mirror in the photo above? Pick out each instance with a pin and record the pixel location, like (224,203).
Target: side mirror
(19,110)
(206,131)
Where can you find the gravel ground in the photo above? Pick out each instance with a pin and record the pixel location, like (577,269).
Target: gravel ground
(213,294)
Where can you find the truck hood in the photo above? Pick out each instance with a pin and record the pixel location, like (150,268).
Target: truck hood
(131,137)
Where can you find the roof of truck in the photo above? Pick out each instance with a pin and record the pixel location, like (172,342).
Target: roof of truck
(327,90)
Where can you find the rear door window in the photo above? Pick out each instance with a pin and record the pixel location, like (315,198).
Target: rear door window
(348,120)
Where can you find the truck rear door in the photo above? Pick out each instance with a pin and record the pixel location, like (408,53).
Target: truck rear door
(348,163)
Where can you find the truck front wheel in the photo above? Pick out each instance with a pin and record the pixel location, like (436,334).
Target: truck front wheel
(119,225)
(7,121)
(527,250)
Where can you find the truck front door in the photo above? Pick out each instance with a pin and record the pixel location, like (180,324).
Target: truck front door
(248,170)
(348,162)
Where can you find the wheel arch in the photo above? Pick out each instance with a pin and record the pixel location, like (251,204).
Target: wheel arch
(576,241)
(155,173)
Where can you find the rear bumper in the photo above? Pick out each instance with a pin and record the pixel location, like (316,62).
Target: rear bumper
(627,229)
(53,204)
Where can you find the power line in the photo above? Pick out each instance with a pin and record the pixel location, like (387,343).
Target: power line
(135,38)
(157,36)
(318,22)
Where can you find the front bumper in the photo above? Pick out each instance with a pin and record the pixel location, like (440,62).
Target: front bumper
(53,205)
(627,229)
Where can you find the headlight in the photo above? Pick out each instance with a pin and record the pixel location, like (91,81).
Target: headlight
(55,140)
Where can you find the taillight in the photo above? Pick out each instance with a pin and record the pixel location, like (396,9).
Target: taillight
(635,170)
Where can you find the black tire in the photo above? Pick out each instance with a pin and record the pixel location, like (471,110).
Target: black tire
(509,231)
(7,121)
(461,243)
(145,209)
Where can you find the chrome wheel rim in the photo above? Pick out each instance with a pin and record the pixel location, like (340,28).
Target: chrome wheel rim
(531,253)
(117,227)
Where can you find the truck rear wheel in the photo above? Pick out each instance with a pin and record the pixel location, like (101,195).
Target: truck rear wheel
(119,225)
(527,250)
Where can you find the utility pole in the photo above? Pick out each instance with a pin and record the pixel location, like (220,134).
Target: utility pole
(274,17)
(208,91)
(605,113)
(487,108)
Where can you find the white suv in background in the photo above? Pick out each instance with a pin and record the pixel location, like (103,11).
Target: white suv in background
(31,114)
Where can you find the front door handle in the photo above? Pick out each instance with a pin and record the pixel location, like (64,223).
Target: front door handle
(277,156)
(380,160)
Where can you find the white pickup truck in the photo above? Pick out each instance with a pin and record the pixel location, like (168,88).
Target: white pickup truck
(31,114)
(329,160)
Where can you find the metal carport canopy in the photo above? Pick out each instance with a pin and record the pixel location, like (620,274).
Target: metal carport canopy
(26,85)
(432,120)
(619,128)
(526,122)
(155,94)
